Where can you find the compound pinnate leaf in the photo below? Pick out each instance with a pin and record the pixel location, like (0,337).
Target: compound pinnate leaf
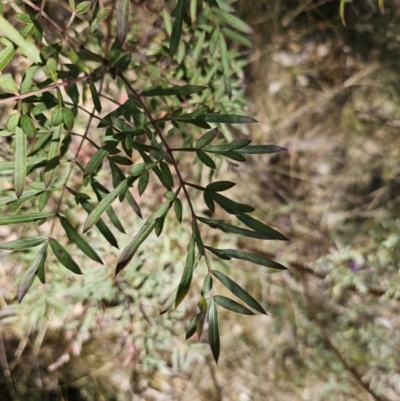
(250,257)
(174,91)
(134,245)
(220,186)
(78,240)
(187,274)
(20,161)
(30,274)
(122,20)
(204,158)
(23,243)
(232,305)
(213,330)
(23,218)
(105,203)
(64,257)
(207,138)
(260,149)
(238,291)
(261,227)
(225,118)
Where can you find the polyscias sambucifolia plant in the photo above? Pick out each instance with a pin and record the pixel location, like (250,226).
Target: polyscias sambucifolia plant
(64,67)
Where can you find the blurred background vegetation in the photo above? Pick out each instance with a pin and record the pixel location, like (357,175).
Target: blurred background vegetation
(330,95)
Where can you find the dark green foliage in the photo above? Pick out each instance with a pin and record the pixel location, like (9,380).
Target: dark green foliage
(132,146)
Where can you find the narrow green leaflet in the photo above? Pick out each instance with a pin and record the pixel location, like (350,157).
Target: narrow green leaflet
(169,302)
(79,241)
(237,37)
(27,195)
(229,228)
(83,7)
(6,55)
(261,227)
(100,192)
(187,274)
(207,138)
(20,161)
(57,116)
(220,186)
(68,118)
(99,156)
(105,203)
(166,172)
(174,91)
(213,330)
(102,227)
(229,205)
(64,257)
(208,200)
(175,35)
(214,41)
(204,158)
(23,218)
(237,290)
(140,168)
(27,126)
(191,329)
(26,47)
(30,274)
(42,264)
(201,316)
(122,20)
(232,305)
(251,257)
(260,149)
(207,285)
(232,20)
(143,182)
(223,49)
(23,243)
(134,245)
(53,155)
(178,209)
(235,145)
(225,118)
(95,96)
(7,83)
